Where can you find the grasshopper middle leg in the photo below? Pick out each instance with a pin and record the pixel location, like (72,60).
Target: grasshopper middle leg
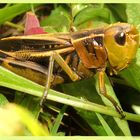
(56,57)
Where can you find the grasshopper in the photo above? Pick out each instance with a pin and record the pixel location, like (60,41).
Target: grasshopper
(48,59)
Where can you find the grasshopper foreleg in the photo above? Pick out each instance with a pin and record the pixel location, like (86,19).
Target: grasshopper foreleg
(103,91)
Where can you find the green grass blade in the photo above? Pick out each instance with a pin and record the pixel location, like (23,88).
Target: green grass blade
(13,81)
(3,100)
(107,128)
(58,120)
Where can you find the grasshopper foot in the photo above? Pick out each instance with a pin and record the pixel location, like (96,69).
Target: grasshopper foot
(120,111)
(42,101)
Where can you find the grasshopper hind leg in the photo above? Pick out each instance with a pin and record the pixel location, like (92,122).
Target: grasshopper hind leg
(48,82)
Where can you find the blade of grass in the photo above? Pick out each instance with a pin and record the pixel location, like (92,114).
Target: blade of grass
(105,125)
(13,81)
(3,100)
(58,120)
(136,109)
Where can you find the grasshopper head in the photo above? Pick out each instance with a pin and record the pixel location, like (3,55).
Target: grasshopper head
(121,42)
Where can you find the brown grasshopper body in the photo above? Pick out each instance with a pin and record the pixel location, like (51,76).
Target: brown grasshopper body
(34,52)
(75,53)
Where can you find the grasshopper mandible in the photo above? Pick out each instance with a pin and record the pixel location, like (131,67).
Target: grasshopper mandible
(76,54)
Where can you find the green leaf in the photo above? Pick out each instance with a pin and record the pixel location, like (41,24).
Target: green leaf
(133,14)
(76,8)
(59,19)
(12,11)
(118,11)
(91,13)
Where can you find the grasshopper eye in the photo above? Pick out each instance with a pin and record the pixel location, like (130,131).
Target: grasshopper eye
(120,38)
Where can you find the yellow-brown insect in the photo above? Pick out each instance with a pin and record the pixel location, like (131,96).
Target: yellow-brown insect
(76,54)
